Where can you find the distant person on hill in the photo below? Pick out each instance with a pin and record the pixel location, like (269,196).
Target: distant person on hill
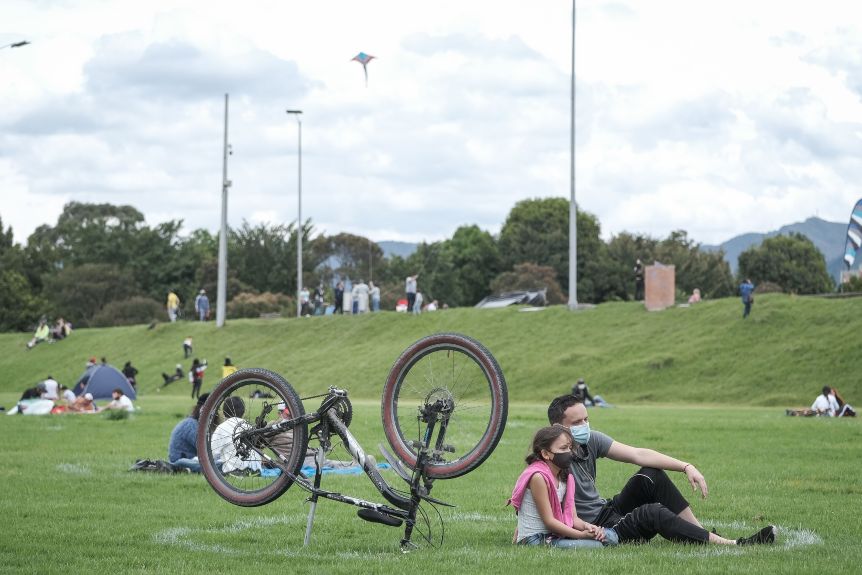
(827,404)
(304,302)
(173,305)
(339,298)
(61,330)
(638,271)
(746,292)
(119,402)
(695,296)
(581,392)
(317,298)
(182,447)
(374,293)
(202,305)
(41,334)
(175,376)
(228,368)
(196,376)
(360,297)
(648,499)
(844,409)
(130,372)
(410,288)
(188,348)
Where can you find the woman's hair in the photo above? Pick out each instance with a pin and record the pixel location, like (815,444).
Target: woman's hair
(543,440)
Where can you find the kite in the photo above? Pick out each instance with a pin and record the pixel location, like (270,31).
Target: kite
(854,235)
(364,59)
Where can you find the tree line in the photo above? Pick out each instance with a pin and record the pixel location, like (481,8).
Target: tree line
(102,265)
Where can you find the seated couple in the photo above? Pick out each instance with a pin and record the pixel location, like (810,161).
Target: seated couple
(558,504)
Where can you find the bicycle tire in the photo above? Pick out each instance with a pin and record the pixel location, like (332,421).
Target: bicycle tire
(240,479)
(486,424)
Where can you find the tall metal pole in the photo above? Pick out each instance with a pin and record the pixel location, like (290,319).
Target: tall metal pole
(573,210)
(299,217)
(222,239)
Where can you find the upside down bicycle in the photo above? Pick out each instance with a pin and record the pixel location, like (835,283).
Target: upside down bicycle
(444,408)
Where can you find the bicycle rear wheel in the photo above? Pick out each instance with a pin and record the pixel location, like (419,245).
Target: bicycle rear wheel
(233,464)
(461,372)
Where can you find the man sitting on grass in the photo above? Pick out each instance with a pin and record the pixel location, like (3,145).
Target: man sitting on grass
(638,504)
(120,401)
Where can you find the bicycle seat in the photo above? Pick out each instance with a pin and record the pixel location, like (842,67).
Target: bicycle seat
(378,517)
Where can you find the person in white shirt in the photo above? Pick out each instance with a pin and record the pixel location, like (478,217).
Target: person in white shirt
(67,394)
(120,401)
(827,404)
(51,388)
(223,448)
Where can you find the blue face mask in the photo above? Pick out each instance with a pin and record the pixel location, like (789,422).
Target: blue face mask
(581,433)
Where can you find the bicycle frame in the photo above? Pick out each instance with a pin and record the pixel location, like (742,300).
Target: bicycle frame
(405,507)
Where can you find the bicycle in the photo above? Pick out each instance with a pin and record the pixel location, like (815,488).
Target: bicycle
(444,409)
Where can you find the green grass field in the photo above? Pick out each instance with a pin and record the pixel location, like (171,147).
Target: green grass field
(696,383)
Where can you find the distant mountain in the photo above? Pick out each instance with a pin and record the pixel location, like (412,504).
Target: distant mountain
(403,249)
(827,236)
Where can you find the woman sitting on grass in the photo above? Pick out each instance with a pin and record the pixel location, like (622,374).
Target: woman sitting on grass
(544,497)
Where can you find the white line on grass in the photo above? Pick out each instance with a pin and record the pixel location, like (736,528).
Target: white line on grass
(73,469)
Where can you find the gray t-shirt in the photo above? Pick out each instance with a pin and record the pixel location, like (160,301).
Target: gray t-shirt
(588,502)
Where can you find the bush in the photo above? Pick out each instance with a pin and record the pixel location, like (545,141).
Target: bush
(248,304)
(132,311)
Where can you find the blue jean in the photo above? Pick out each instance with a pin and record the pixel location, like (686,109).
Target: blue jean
(611,538)
(375,304)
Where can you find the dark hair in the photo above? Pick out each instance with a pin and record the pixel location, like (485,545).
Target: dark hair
(117,390)
(543,440)
(826,390)
(559,406)
(195,362)
(233,407)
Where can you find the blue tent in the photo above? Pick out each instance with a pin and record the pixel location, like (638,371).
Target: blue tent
(106,378)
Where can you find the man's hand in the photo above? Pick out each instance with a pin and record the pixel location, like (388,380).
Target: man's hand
(697,480)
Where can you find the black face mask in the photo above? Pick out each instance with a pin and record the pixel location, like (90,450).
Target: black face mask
(563,460)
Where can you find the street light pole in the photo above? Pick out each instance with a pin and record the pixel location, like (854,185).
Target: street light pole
(221,298)
(573,210)
(298,113)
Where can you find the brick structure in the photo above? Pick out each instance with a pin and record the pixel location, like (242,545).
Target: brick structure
(660,287)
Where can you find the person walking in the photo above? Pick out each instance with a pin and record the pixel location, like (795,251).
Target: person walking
(746,291)
(173,305)
(202,305)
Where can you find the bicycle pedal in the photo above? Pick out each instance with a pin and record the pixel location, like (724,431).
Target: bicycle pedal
(378,517)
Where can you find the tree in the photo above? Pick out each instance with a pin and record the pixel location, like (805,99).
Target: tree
(537,231)
(475,262)
(349,256)
(78,293)
(791,261)
(19,308)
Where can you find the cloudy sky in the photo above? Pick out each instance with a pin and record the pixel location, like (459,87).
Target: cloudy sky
(714,117)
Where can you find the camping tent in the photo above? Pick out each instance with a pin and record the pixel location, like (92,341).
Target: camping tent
(106,378)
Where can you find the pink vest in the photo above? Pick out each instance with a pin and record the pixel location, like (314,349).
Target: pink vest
(561,513)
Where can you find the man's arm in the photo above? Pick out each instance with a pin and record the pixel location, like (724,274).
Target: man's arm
(651,458)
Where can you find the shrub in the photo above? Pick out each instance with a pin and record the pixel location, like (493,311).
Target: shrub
(529,276)
(132,311)
(248,304)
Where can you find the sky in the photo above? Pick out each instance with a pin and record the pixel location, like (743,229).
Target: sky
(718,118)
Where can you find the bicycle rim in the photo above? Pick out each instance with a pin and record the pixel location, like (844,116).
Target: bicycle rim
(455,369)
(242,470)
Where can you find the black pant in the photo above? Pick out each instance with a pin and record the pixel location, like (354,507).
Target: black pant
(411,299)
(196,388)
(647,506)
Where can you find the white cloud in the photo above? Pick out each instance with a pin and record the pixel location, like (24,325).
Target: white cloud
(715,118)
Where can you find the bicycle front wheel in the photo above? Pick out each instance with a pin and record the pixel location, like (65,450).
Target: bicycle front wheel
(461,372)
(240,465)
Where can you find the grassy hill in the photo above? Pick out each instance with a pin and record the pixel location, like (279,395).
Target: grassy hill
(780,356)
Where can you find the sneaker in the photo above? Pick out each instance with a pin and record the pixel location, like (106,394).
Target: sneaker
(764,536)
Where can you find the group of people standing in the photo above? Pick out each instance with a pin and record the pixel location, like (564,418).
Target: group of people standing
(356,298)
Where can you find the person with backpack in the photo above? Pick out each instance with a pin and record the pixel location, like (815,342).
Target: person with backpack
(196,376)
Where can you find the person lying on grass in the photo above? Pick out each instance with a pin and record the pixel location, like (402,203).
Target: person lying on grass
(648,498)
